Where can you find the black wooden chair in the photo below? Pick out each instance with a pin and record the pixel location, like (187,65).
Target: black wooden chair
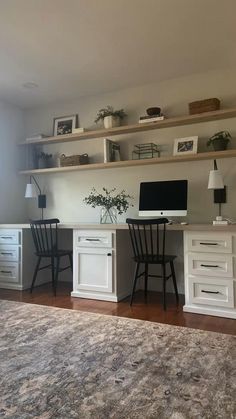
(45,237)
(148,244)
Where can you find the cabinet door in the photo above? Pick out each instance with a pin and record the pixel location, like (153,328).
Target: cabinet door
(93,269)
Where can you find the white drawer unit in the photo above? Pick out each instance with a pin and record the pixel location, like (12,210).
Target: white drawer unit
(211,291)
(9,273)
(17,258)
(210,264)
(89,238)
(9,253)
(209,273)
(10,237)
(210,242)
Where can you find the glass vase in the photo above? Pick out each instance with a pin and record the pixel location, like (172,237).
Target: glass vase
(108,215)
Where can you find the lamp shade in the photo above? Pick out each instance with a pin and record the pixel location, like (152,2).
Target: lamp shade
(30,191)
(215,180)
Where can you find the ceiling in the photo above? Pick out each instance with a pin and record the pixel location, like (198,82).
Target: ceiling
(73,48)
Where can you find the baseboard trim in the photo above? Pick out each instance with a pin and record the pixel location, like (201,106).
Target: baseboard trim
(210,311)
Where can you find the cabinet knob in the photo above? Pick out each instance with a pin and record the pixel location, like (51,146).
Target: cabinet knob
(108,254)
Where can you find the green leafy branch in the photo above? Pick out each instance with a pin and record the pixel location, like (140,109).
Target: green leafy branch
(108,200)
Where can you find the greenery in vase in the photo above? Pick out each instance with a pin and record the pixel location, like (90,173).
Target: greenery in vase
(221,135)
(108,200)
(44,156)
(109,111)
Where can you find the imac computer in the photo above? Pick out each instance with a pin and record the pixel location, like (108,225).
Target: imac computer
(166,198)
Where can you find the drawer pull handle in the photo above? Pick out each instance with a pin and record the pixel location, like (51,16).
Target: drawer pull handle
(7,253)
(6,237)
(108,254)
(210,292)
(209,244)
(93,240)
(6,272)
(209,266)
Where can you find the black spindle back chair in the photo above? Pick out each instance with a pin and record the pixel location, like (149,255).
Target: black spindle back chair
(148,239)
(45,237)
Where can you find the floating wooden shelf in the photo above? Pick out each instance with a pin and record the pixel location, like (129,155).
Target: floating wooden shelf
(130,163)
(166,123)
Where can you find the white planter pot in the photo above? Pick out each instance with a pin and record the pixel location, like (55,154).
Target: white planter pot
(111,121)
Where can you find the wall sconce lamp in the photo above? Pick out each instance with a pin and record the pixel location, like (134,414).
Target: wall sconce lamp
(216,183)
(31,192)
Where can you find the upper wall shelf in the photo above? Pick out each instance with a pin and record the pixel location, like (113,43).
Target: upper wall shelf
(127,129)
(130,163)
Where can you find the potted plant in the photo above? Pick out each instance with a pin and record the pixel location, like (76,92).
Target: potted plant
(219,140)
(44,160)
(109,202)
(110,117)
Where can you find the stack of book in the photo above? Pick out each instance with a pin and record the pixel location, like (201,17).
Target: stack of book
(147,118)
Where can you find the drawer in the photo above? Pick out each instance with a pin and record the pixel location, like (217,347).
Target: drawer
(9,253)
(217,292)
(206,264)
(9,273)
(210,242)
(9,236)
(92,238)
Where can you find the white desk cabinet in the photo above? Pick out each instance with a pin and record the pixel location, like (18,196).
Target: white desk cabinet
(209,265)
(17,259)
(103,268)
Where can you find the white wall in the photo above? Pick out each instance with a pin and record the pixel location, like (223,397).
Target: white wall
(12,202)
(66,191)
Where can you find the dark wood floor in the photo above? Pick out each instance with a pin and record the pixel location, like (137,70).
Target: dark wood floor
(150,310)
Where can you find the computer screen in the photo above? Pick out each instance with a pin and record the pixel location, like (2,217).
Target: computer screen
(164,198)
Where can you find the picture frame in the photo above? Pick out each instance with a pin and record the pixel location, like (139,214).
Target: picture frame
(186,145)
(64,124)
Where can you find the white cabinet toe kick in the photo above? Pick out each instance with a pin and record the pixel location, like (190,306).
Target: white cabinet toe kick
(209,269)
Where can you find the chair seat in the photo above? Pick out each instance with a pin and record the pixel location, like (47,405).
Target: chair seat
(58,252)
(155,259)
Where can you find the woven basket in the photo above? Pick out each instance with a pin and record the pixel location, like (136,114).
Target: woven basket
(205,105)
(73,160)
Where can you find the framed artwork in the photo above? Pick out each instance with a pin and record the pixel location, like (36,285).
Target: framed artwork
(187,145)
(64,125)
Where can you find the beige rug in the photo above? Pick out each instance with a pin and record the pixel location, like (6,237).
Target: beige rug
(65,364)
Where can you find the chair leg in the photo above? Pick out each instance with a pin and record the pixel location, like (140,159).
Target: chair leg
(56,276)
(35,274)
(71,262)
(53,272)
(164,285)
(174,280)
(134,283)
(146,279)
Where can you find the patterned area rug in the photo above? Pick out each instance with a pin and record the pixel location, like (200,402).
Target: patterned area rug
(65,364)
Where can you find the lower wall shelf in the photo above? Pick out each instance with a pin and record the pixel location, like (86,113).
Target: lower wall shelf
(130,163)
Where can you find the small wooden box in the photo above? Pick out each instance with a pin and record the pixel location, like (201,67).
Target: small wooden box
(206,105)
(75,160)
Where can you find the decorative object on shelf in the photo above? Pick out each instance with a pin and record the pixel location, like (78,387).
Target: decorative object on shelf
(64,125)
(154,111)
(110,117)
(220,140)
(44,160)
(111,151)
(216,183)
(206,105)
(78,130)
(153,115)
(109,202)
(30,192)
(36,137)
(145,151)
(75,160)
(187,145)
